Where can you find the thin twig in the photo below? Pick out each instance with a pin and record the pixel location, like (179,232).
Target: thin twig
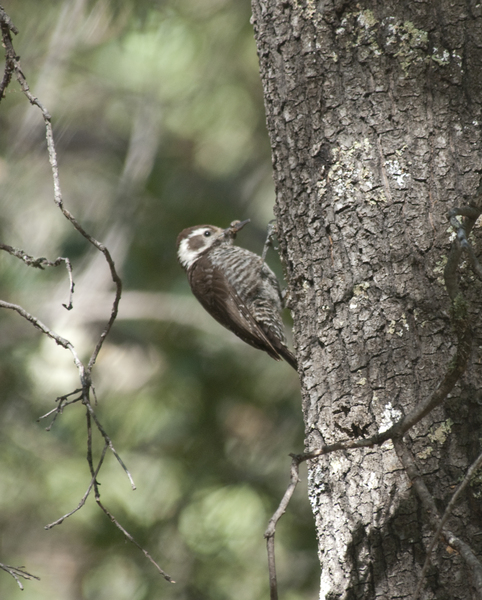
(58,410)
(17,572)
(44,329)
(271,529)
(95,485)
(133,541)
(85,496)
(109,442)
(68,215)
(41,263)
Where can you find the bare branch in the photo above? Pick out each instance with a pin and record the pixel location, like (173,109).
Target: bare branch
(85,496)
(95,485)
(13,66)
(109,442)
(17,572)
(44,329)
(271,529)
(453,501)
(58,410)
(41,263)
(133,541)
(58,196)
(430,507)
(68,215)
(6,21)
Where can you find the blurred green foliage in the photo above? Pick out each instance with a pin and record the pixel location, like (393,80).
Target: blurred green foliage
(159,124)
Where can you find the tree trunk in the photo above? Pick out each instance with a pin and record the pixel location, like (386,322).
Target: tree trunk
(373,111)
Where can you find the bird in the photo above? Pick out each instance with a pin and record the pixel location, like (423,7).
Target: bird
(235,286)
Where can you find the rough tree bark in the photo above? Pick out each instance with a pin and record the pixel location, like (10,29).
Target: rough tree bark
(373,110)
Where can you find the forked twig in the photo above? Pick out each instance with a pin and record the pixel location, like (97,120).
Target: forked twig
(17,572)
(58,410)
(104,509)
(109,443)
(41,263)
(85,496)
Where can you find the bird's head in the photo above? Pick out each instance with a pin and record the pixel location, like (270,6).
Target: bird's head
(195,241)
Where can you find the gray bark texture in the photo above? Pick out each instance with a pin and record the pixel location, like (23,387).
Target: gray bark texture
(374,112)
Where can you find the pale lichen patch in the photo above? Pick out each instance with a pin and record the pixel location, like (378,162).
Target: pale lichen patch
(390,416)
(441,434)
(425,453)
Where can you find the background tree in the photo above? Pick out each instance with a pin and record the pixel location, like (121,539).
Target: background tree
(373,112)
(159,123)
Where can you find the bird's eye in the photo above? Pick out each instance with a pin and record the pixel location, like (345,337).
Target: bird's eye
(207,234)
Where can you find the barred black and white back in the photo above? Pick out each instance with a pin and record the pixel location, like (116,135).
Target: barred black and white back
(235,286)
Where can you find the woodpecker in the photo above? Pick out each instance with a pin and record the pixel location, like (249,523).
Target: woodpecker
(235,286)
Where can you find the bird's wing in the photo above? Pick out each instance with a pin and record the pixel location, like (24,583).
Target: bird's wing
(222,302)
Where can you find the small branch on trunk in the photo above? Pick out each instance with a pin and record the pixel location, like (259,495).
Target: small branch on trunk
(271,529)
(427,501)
(453,501)
(270,235)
